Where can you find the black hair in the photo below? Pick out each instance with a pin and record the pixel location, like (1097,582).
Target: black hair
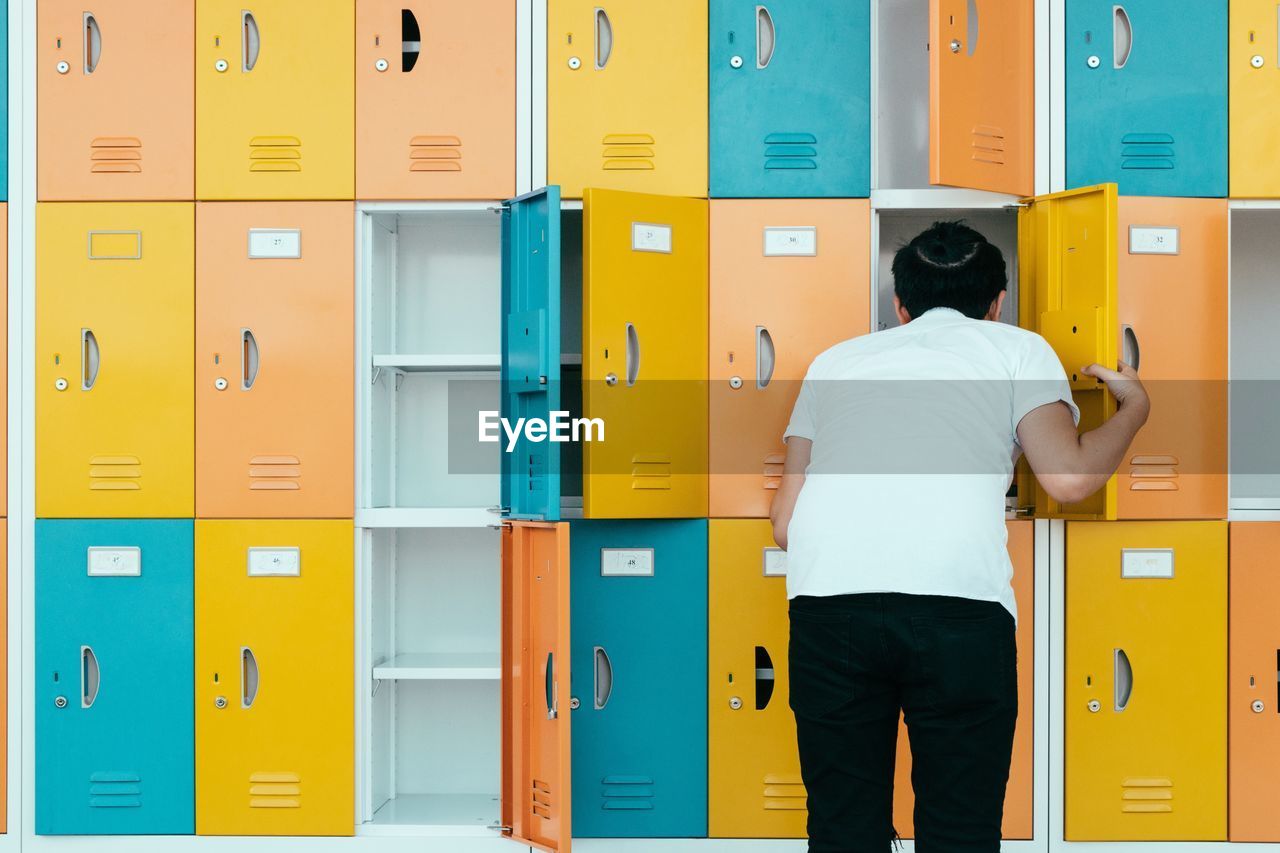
(949,265)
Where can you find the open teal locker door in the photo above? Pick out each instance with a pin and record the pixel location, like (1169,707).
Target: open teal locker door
(1146,97)
(531,350)
(115,719)
(639,641)
(790,98)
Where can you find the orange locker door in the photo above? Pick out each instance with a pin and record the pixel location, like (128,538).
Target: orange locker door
(1254,692)
(788,279)
(1018,798)
(274,377)
(1173,279)
(536,792)
(982,95)
(435,99)
(115,114)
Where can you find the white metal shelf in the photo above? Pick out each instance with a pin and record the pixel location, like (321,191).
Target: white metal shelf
(938,198)
(444,363)
(385,517)
(440,666)
(435,814)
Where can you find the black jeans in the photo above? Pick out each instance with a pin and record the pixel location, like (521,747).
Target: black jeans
(950,666)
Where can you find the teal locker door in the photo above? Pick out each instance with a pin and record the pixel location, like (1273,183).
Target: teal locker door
(639,664)
(1147,96)
(115,736)
(790,98)
(531,350)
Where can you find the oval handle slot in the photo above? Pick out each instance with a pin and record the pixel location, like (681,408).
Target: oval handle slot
(766,37)
(92,43)
(633,355)
(604,38)
(765,357)
(248,359)
(249,680)
(604,678)
(553,710)
(971,19)
(250,41)
(90,359)
(410,40)
(1131,353)
(1122,41)
(1123,680)
(764,678)
(90,677)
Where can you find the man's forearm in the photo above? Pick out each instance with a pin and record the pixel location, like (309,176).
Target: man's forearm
(1102,450)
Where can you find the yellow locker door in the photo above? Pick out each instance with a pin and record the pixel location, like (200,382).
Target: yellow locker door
(275,700)
(1146,679)
(1067,273)
(754,786)
(275,99)
(627,95)
(644,355)
(1254,56)
(115,407)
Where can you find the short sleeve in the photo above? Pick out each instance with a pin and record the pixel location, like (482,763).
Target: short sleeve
(1038,380)
(803,416)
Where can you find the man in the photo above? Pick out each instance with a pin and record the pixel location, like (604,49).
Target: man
(900,452)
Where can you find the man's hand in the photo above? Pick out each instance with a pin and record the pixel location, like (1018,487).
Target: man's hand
(1124,385)
(799,451)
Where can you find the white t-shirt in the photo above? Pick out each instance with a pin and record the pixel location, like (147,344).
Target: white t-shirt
(914,434)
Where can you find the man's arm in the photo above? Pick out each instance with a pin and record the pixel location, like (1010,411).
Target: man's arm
(1072,466)
(784,502)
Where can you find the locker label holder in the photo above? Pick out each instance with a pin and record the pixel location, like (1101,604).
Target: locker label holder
(790,242)
(1153,240)
(114,562)
(115,245)
(275,243)
(626,562)
(774,563)
(275,562)
(651,237)
(1146,563)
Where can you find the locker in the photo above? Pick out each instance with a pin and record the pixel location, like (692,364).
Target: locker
(4,86)
(115,420)
(644,361)
(275,100)
(115,111)
(790,99)
(1146,96)
(1146,743)
(627,96)
(1254,56)
(1173,277)
(435,99)
(755,790)
(1019,795)
(1254,691)
(274,678)
(4,678)
(788,280)
(113,677)
(531,349)
(636,779)
(982,95)
(537,795)
(1067,269)
(4,372)
(274,377)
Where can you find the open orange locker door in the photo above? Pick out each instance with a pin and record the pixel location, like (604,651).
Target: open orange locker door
(536,765)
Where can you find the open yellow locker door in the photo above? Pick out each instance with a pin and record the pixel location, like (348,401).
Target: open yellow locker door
(1067,293)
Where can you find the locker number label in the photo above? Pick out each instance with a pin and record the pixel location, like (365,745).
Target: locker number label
(115,562)
(626,562)
(1151,240)
(1146,563)
(775,563)
(275,243)
(648,237)
(790,242)
(275,562)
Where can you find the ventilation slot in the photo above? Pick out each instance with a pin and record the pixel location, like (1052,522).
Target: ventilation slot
(1146,151)
(784,151)
(626,793)
(275,154)
(275,791)
(275,473)
(435,154)
(651,471)
(1153,474)
(541,802)
(1146,796)
(115,155)
(784,792)
(988,145)
(111,789)
(115,474)
(536,470)
(627,152)
(773,470)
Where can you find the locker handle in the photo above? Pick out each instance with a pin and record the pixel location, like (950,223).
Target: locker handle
(765,678)
(765,357)
(604,678)
(90,359)
(1131,353)
(1123,680)
(633,355)
(92,43)
(766,37)
(553,710)
(248,677)
(250,41)
(1122,39)
(972,26)
(410,40)
(604,38)
(248,359)
(90,677)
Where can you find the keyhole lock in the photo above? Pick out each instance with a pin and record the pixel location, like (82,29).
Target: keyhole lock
(220,702)
(1258,706)
(575,703)
(63,67)
(1257,62)
(574,63)
(60,702)
(1094,62)
(1094,706)
(220,384)
(955,45)
(220,66)
(60,384)
(735,382)
(735,703)
(611,379)
(735,62)
(381,65)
